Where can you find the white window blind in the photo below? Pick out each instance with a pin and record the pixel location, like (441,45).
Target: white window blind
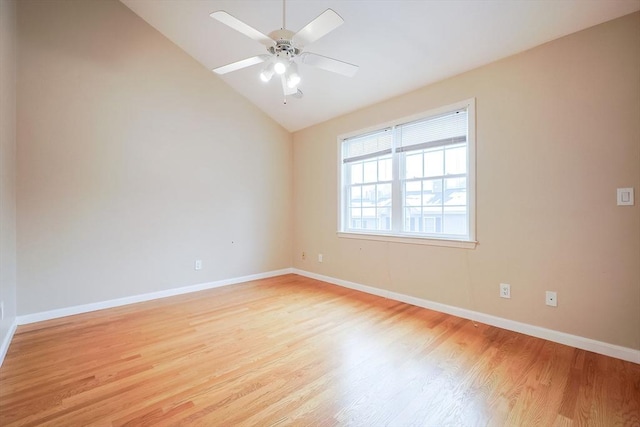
(377,143)
(438,131)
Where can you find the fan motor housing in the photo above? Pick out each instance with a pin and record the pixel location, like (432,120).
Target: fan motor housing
(283,43)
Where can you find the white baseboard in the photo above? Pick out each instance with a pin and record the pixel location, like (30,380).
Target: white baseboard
(583,343)
(588,344)
(85,308)
(4,347)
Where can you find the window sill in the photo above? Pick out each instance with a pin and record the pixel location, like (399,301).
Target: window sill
(463,244)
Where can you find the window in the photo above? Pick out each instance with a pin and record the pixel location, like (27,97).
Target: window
(413,179)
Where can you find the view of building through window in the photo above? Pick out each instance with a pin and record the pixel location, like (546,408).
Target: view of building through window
(435,190)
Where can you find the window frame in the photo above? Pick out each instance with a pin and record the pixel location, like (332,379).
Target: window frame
(467,242)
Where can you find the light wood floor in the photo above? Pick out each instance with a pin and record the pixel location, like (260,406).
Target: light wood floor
(295,351)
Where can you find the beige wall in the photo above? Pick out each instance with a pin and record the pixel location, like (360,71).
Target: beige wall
(7,164)
(558,130)
(134,160)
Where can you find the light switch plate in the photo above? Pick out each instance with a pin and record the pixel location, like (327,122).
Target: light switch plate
(625,196)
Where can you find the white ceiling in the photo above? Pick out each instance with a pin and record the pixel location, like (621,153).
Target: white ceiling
(400,45)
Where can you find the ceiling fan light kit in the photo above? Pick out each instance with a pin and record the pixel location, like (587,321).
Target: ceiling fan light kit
(281,63)
(293,78)
(267,72)
(285,50)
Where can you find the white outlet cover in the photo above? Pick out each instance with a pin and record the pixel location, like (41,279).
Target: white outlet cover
(551,298)
(505,290)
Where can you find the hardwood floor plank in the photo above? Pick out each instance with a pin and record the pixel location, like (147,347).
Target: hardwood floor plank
(296,351)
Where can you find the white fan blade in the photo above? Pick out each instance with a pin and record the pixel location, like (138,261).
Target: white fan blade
(285,87)
(328,64)
(323,24)
(243,28)
(241,64)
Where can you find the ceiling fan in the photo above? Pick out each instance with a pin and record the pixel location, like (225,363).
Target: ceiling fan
(285,50)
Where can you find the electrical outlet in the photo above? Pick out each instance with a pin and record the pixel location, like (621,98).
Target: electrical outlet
(198,264)
(320,257)
(505,290)
(551,298)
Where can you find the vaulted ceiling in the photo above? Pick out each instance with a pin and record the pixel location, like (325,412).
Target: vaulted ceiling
(399,45)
